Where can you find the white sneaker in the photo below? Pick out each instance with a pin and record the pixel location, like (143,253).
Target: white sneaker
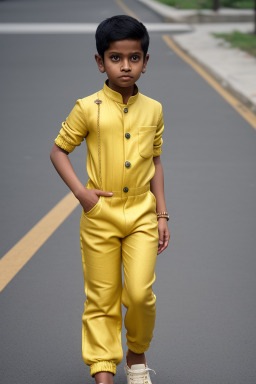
(138,374)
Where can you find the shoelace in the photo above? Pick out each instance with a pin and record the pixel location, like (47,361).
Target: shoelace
(140,375)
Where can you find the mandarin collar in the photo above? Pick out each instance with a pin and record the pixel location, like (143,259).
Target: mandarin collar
(117,97)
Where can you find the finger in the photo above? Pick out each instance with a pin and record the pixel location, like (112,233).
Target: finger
(160,243)
(103,193)
(163,246)
(159,251)
(166,242)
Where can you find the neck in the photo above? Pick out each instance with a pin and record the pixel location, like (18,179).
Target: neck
(125,92)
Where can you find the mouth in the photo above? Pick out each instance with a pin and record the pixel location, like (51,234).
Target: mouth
(125,77)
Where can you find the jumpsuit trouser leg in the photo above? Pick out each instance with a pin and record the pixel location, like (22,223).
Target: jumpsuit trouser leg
(116,230)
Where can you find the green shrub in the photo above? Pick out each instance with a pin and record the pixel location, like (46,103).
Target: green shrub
(237,39)
(207,4)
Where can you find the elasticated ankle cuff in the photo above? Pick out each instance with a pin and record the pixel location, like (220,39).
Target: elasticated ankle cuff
(107,366)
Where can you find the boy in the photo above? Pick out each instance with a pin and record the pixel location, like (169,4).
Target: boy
(124,216)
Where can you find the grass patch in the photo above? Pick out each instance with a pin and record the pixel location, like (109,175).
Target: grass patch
(207,4)
(244,41)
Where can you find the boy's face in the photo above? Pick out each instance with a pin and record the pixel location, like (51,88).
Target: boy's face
(123,63)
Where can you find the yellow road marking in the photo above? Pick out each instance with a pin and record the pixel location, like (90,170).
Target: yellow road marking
(126,9)
(14,260)
(244,111)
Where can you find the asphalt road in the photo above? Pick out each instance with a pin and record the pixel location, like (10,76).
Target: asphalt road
(205,280)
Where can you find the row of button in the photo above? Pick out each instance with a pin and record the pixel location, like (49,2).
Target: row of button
(127,163)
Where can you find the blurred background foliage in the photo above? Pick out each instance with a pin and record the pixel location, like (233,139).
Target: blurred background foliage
(208,4)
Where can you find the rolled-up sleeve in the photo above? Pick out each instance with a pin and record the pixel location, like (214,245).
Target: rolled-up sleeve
(74,129)
(158,140)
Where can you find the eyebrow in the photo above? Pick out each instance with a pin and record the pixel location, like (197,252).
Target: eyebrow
(118,53)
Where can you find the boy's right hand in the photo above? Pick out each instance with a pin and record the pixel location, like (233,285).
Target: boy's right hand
(89,197)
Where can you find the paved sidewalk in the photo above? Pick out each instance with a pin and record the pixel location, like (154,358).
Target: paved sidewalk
(233,68)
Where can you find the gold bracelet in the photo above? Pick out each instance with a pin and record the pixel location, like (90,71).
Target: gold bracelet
(163,214)
(160,213)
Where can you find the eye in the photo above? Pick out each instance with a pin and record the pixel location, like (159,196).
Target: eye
(114,58)
(135,58)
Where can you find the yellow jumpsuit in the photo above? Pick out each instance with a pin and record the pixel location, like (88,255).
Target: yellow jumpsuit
(122,140)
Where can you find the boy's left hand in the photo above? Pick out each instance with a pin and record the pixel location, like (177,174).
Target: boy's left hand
(164,235)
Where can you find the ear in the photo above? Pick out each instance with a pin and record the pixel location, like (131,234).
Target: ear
(145,63)
(100,63)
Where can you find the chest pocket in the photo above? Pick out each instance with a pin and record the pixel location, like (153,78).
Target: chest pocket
(146,140)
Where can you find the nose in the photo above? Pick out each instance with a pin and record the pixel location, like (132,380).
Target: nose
(125,66)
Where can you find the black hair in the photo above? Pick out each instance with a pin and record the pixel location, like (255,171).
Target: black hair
(118,28)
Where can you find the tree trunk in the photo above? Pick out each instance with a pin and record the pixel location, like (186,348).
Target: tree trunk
(254,17)
(216,5)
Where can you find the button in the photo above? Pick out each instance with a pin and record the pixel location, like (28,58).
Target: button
(126,189)
(127,164)
(127,135)
(125,110)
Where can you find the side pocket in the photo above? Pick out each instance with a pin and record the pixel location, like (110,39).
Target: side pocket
(96,208)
